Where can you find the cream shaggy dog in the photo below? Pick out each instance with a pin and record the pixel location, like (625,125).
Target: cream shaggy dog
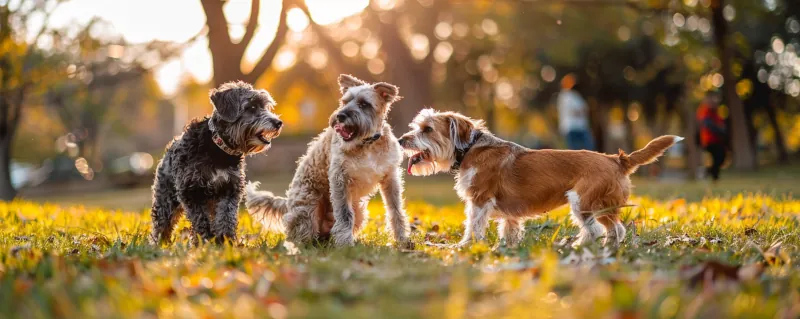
(497,178)
(342,169)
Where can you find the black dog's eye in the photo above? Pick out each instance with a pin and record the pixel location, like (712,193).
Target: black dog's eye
(427,129)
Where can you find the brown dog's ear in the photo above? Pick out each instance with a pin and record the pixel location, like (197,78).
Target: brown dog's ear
(347,81)
(461,129)
(226,103)
(387,92)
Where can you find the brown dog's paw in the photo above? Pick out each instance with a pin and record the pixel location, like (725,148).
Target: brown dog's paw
(405,245)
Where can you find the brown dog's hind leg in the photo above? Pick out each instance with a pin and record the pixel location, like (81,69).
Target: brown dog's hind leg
(511,232)
(615,231)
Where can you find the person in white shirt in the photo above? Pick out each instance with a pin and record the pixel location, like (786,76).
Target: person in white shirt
(573,117)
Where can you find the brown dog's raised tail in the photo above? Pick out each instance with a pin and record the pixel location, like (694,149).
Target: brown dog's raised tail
(648,154)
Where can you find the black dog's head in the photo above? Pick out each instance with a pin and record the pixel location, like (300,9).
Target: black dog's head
(243,116)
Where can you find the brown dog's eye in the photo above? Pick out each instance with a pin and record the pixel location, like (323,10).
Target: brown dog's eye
(363,104)
(427,129)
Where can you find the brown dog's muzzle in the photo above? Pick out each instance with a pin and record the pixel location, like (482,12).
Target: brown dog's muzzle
(402,141)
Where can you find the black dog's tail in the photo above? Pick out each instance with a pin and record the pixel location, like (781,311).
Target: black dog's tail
(266,207)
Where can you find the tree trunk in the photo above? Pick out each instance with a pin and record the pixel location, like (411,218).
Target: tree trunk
(7,191)
(693,152)
(780,144)
(744,156)
(416,93)
(598,121)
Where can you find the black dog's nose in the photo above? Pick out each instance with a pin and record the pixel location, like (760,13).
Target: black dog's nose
(277,123)
(340,117)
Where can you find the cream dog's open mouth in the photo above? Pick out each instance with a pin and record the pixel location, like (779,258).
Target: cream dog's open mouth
(344,131)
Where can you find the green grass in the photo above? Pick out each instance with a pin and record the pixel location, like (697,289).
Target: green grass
(62,260)
(438,190)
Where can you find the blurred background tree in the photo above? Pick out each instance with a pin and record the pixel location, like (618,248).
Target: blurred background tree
(642,66)
(24,69)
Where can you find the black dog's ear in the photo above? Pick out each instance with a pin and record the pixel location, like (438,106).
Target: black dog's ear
(387,92)
(347,81)
(226,104)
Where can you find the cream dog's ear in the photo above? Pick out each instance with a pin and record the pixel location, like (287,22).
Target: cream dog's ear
(346,81)
(387,92)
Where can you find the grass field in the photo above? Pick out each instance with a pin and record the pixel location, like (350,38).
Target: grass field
(724,256)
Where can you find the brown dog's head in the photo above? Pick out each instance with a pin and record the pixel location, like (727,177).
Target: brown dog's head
(434,138)
(363,108)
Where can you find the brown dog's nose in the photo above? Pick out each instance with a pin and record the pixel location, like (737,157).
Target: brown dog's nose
(277,123)
(402,140)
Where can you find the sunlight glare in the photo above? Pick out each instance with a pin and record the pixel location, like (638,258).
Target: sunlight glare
(284,60)
(328,12)
(296,20)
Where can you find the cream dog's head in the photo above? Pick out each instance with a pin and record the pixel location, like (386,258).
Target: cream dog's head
(434,139)
(362,109)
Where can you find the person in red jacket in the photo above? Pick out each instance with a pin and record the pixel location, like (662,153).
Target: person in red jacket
(712,134)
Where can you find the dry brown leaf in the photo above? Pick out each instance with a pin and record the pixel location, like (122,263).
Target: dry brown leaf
(776,254)
(717,271)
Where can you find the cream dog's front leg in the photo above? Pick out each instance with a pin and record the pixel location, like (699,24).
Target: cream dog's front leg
(342,231)
(392,194)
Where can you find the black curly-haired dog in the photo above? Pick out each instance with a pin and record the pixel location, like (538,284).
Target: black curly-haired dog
(202,172)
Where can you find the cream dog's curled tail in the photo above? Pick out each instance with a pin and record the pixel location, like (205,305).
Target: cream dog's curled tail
(265,207)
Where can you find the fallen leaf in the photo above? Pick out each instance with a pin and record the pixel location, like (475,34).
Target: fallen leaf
(17,249)
(776,255)
(751,271)
(717,271)
(564,241)
(571,259)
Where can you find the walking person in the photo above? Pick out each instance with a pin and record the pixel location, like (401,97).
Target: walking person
(712,134)
(573,116)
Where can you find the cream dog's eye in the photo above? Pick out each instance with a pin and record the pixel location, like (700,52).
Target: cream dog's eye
(428,129)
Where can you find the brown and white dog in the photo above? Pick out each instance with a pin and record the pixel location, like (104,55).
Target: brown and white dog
(501,179)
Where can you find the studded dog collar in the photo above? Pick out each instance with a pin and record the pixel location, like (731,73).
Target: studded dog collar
(221,142)
(461,152)
(224,147)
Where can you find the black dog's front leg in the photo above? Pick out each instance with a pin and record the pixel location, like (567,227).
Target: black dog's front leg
(226,218)
(196,208)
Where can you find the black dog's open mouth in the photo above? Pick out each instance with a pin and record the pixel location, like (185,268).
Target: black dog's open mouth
(344,131)
(266,136)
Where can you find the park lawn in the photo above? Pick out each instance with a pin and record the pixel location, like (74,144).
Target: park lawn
(774,181)
(713,258)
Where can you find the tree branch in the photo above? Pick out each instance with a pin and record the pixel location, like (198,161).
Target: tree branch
(280,37)
(252,25)
(334,52)
(430,33)
(45,22)
(216,22)
(662,6)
